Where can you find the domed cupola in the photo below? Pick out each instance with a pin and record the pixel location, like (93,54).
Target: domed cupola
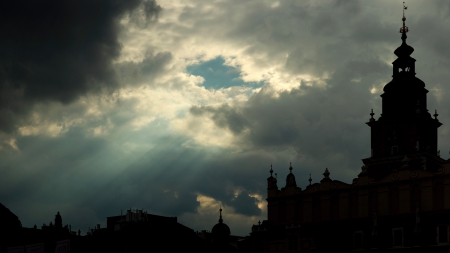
(271,181)
(220,231)
(290,179)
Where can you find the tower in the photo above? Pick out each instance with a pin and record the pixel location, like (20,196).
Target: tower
(58,221)
(405,131)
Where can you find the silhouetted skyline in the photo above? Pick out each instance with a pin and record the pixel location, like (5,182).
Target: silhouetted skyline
(179,107)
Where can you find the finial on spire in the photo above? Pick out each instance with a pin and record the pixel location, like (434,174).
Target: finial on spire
(404,29)
(220,210)
(371,115)
(404,8)
(326,174)
(271,170)
(310,179)
(435,114)
(290,167)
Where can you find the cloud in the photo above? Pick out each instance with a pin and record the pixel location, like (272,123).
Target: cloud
(58,51)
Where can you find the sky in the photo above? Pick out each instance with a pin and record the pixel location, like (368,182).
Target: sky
(179,107)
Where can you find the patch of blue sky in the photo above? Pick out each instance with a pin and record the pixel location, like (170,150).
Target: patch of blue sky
(217,75)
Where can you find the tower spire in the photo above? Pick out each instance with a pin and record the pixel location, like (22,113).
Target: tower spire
(404,29)
(220,217)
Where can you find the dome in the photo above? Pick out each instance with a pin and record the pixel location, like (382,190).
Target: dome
(404,50)
(221,230)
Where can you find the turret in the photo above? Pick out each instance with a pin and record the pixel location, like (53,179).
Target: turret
(58,221)
(272,187)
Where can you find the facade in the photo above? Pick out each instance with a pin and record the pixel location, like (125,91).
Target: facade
(400,199)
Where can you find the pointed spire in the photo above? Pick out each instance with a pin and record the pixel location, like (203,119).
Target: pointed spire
(404,50)
(310,179)
(404,29)
(271,170)
(220,218)
(290,167)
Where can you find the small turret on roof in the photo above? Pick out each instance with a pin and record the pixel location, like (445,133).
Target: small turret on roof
(290,179)
(326,176)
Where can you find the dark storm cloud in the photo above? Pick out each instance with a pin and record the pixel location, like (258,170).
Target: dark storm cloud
(58,50)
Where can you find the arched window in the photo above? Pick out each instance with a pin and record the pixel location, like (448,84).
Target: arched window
(316,214)
(353,205)
(373,201)
(415,197)
(393,201)
(299,210)
(438,196)
(282,212)
(334,204)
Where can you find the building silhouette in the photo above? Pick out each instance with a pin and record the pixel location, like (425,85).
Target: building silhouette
(399,200)
(220,238)
(138,231)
